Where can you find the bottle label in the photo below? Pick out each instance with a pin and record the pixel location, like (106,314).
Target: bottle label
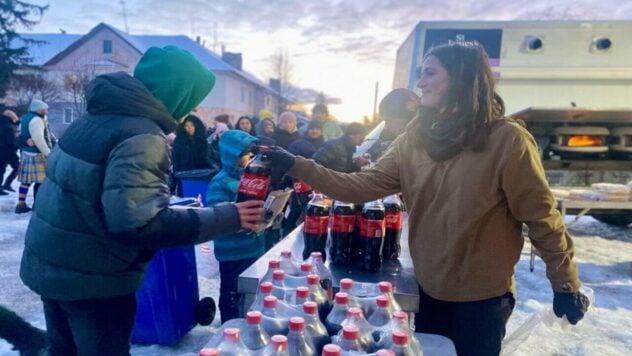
(372,228)
(394,220)
(315,225)
(301,187)
(254,185)
(343,223)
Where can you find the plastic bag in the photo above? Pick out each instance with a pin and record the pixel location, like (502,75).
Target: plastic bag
(545,316)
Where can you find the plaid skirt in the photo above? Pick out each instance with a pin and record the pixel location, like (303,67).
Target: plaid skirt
(32,169)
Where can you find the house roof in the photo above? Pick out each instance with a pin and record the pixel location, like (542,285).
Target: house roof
(57,46)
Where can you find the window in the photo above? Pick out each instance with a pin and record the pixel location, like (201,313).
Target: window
(68,116)
(268,101)
(107,46)
(250,97)
(243,94)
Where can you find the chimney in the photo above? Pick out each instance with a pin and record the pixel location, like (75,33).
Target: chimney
(234,59)
(275,84)
(197,39)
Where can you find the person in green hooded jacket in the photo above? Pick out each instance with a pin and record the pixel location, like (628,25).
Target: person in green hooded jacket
(103,210)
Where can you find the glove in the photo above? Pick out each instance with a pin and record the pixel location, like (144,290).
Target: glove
(281,159)
(573,305)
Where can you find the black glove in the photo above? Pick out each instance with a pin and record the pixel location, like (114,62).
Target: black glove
(573,305)
(281,159)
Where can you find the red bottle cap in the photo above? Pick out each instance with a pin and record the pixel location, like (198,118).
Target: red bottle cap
(310,307)
(382,301)
(263,148)
(400,315)
(313,279)
(350,332)
(297,323)
(253,317)
(306,267)
(342,298)
(278,275)
(279,342)
(269,301)
(302,292)
(400,337)
(354,312)
(209,352)
(332,350)
(286,254)
(274,264)
(346,283)
(317,256)
(384,352)
(231,334)
(385,287)
(266,287)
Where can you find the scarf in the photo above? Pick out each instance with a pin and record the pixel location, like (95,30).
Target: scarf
(441,135)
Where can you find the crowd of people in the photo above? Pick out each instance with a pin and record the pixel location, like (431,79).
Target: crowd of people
(469,178)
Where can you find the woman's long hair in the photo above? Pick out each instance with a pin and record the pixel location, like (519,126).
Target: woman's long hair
(471,99)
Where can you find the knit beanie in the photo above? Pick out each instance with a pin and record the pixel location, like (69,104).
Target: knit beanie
(174,77)
(37,105)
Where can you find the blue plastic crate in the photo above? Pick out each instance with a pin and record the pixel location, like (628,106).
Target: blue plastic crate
(194,187)
(168,297)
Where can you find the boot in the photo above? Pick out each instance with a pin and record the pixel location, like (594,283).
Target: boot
(22,208)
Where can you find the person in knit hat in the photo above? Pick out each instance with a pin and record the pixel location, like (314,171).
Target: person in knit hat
(397,109)
(32,169)
(104,209)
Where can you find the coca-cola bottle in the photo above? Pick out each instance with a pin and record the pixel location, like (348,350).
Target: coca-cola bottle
(278,281)
(307,268)
(272,265)
(350,340)
(288,264)
(332,350)
(337,314)
(326,278)
(401,344)
(209,351)
(346,286)
(276,347)
(302,191)
(394,210)
(313,326)
(355,251)
(302,295)
(372,228)
(386,289)
(342,228)
(382,315)
(355,317)
(298,342)
(265,289)
(256,179)
(253,335)
(315,226)
(318,295)
(231,343)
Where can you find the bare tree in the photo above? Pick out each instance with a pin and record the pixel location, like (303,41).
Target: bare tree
(75,83)
(281,73)
(32,84)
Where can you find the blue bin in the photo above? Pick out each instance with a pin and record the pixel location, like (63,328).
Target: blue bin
(195,182)
(168,297)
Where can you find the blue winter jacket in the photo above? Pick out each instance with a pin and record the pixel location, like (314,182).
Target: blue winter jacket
(223,188)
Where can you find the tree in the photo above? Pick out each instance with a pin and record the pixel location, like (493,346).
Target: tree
(34,84)
(281,73)
(14,51)
(76,81)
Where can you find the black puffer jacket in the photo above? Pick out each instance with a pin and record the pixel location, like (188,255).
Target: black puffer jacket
(104,206)
(8,150)
(306,146)
(337,154)
(190,151)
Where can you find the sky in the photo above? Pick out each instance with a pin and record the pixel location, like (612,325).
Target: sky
(340,48)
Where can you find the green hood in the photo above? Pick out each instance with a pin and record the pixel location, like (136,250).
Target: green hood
(175,78)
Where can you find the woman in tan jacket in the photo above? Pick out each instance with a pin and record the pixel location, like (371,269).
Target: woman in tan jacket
(470,178)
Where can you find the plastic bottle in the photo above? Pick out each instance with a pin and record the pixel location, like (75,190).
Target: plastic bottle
(382,315)
(356,244)
(398,322)
(253,336)
(338,313)
(356,317)
(231,344)
(318,295)
(314,327)
(346,286)
(372,230)
(288,265)
(386,289)
(298,342)
(350,340)
(272,266)
(326,278)
(273,322)
(332,350)
(255,181)
(276,347)
(401,345)
(265,289)
(307,268)
(278,280)
(301,296)
(315,226)
(209,351)
(394,209)
(342,226)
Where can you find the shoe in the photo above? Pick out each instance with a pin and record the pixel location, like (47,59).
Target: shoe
(2,192)
(8,188)
(22,208)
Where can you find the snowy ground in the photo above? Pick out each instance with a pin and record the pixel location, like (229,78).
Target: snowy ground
(603,253)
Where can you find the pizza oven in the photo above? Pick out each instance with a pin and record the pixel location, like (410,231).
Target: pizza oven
(580,142)
(621,143)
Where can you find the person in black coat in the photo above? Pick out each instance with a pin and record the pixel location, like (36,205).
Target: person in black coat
(8,149)
(337,154)
(190,147)
(287,132)
(246,125)
(310,143)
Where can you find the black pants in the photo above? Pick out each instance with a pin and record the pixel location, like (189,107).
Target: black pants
(476,328)
(14,163)
(230,300)
(90,327)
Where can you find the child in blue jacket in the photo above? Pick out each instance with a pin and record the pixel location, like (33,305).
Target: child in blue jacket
(236,251)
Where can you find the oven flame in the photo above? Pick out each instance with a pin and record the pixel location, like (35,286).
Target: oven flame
(585,141)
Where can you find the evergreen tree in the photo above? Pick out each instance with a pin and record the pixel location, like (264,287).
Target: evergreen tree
(14,52)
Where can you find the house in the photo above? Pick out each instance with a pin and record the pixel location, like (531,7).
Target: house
(73,60)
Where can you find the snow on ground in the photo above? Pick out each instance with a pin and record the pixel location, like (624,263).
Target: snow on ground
(603,254)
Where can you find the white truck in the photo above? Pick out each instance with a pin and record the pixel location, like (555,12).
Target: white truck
(570,81)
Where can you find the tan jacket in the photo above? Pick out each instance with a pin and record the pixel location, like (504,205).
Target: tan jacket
(465,213)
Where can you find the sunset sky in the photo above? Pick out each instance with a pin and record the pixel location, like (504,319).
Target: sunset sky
(338,47)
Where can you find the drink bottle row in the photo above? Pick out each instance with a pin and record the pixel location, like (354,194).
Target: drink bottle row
(362,233)
(294,313)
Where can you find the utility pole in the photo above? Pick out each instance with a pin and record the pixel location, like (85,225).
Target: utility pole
(124,16)
(377,87)
(215,37)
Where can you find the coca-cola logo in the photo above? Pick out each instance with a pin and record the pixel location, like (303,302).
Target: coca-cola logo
(254,185)
(394,221)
